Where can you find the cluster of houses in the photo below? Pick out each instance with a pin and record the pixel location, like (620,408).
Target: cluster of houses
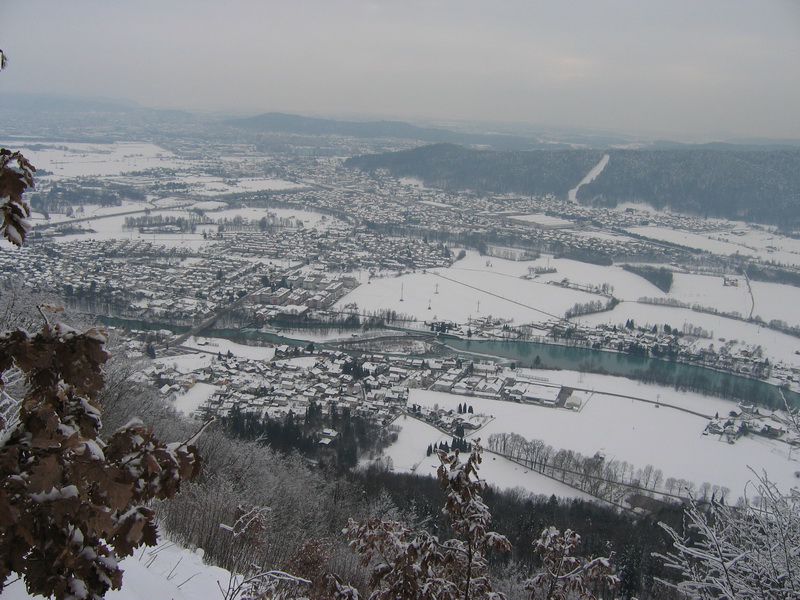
(386,202)
(373,386)
(304,290)
(134,278)
(340,248)
(752,420)
(671,344)
(288,383)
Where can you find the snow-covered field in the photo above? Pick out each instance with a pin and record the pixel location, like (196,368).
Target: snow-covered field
(732,237)
(88,210)
(470,289)
(709,291)
(768,245)
(111,228)
(187,363)
(308,218)
(692,240)
(636,432)
(215,345)
(776,301)
(408,456)
(627,286)
(523,301)
(166,571)
(304,362)
(80,160)
(207,185)
(543,220)
(194,398)
(708,405)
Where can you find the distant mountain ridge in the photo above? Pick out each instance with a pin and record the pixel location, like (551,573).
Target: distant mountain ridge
(288,123)
(761,185)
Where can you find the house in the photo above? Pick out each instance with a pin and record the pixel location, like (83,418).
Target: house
(541,394)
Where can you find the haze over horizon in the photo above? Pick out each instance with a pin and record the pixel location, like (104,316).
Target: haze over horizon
(717,69)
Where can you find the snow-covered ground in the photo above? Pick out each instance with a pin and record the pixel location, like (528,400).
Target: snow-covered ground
(709,291)
(308,218)
(627,286)
(112,228)
(776,301)
(707,405)
(767,244)
(692,240)
(459,300)
(413,182)
(732,237)
(187,363)
(194,398)
(636,432)
(470,289)
(542,220)
(408,455)
(221,345)
(81,160)
(208,185)
(88,210)
(304,362)
(166,571)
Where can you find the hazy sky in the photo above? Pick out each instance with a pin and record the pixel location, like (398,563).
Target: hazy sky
(686,68)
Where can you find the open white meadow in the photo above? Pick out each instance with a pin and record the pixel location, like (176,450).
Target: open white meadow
(469,289)
(82,160)
(310,219)
(186,363)
(636,432)
(542,220)
(223,346)
(166,571)
(732,237)
(776,301)
(208,185)
(701,241)
(707,290)
(193,398)
(408,455)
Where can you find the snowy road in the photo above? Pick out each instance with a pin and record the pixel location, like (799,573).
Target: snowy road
(572,195)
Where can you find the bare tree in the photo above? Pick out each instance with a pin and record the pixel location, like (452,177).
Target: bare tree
(746,552)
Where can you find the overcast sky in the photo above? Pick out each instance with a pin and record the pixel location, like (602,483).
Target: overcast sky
(684,68)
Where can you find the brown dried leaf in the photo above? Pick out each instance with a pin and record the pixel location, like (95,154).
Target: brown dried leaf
(45,475)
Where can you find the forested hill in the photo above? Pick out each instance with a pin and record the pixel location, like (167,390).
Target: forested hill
(457,168)
(759,185)
(300,125)
(756,184)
